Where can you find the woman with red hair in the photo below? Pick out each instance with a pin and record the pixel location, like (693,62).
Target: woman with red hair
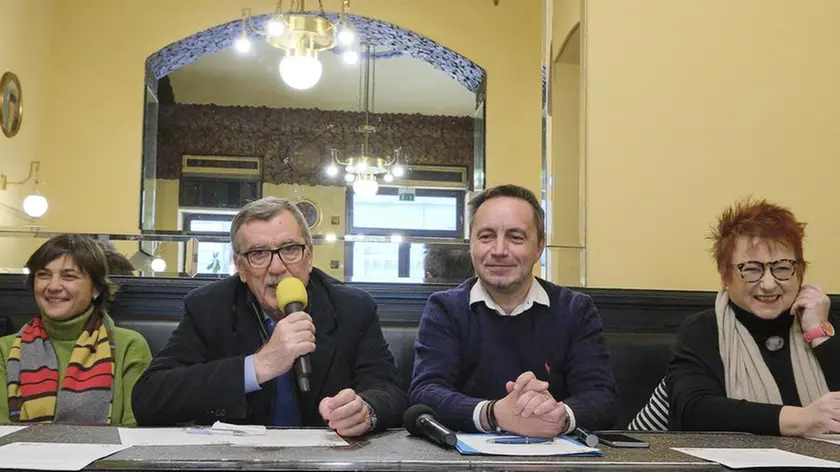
(765,359)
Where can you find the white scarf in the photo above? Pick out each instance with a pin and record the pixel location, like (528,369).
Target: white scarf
(746,375)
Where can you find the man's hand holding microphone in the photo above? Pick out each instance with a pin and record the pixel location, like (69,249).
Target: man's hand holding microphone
(293,337)
(290,345)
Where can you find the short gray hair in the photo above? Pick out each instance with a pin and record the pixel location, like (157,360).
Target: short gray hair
(265,209)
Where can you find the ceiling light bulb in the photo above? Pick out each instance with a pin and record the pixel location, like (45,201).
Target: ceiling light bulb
(349,177)
(350,57)
(35,205)
(388,178)
(300,72)
(275,27)
(242,44)
(158,264)
(332,170)
(346,36)
(365,188)
(398,171)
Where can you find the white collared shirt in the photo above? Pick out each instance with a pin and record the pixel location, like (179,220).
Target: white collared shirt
(536,294)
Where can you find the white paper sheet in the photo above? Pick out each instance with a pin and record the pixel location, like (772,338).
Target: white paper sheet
(559,447)
(170,437)
(53,456)
(291,438)
(830,438)
(4,430)
(245,429)
(205,436)
(742,458)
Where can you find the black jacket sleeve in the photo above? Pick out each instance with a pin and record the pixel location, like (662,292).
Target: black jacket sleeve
(696,388)
(186,383)
(376,378)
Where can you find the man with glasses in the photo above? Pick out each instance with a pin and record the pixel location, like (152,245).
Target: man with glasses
(231,357)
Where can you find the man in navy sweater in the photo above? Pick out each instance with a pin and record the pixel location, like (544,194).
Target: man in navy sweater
(506,351)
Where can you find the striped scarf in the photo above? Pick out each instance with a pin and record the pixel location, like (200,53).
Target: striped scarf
(32,376)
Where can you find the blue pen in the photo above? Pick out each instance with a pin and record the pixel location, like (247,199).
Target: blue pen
(520,440)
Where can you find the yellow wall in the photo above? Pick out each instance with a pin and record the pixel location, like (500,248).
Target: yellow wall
(25,25)
(92,145)
(566,231)
(694,104)
(565,15)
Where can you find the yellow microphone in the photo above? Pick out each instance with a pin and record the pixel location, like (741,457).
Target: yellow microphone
(292,297)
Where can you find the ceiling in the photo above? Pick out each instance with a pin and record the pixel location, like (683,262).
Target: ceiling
(403,84)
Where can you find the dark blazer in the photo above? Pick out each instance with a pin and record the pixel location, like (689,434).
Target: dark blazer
(199,375)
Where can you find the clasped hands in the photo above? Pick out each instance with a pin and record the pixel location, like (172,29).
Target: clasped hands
(530,410)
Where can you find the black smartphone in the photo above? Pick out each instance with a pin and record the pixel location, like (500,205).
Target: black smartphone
(620,440)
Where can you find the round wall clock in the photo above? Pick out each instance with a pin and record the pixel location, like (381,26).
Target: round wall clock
(311,212)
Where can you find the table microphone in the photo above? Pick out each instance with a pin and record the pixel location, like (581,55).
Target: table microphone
(291,295)
(420,421)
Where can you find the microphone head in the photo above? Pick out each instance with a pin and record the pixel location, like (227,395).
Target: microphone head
(412,415)
(291,290)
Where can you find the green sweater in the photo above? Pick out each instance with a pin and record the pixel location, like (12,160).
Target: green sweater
(132,358)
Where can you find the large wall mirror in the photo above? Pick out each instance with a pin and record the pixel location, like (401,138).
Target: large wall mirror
(381,153)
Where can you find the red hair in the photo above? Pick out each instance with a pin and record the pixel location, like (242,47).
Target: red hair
(761,219)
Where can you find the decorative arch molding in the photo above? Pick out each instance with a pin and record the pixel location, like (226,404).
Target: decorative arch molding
(396,39)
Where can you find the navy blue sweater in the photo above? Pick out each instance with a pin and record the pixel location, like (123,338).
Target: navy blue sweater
(466,354)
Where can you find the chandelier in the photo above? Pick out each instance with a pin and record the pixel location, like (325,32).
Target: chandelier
(364,170)
(301,36)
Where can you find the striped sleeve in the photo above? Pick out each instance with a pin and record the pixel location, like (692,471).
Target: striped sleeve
(654,416)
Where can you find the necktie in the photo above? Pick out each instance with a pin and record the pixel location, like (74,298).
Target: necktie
(285,410)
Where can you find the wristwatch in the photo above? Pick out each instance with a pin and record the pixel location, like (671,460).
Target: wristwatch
(824,329)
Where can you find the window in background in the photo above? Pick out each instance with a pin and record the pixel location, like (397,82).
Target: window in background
(213,257)
(432,213)
(382,262)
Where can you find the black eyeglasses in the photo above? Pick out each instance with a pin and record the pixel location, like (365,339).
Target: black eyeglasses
(753,271)
(289,254)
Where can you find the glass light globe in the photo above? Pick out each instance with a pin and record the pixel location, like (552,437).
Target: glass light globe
(35,205)
(300,72)
(346,36)
(350,57)
(242,44)
(158,264)
(332,170)
(365,188)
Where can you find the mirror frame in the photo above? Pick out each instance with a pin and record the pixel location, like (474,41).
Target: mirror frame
(11,129)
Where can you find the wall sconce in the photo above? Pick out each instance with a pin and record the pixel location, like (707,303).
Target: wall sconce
(34,205)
